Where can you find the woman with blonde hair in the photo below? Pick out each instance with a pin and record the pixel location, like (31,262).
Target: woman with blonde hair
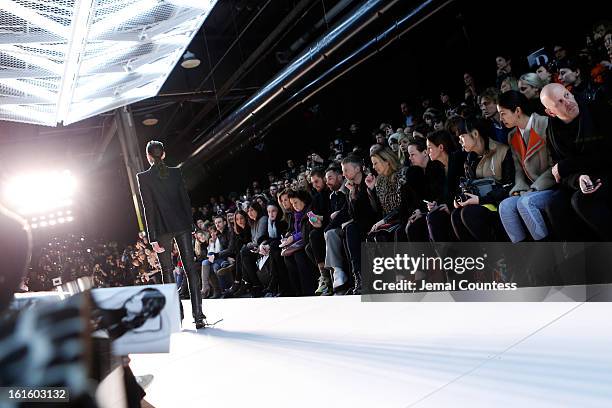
(530,85)
(402,154)
(388,194)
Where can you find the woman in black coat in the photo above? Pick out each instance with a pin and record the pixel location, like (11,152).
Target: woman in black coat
(168,217)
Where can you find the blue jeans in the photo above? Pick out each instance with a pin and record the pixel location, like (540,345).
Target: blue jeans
(216,265)
(523,214)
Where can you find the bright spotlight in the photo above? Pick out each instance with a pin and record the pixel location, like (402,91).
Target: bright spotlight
(40,192)
(44,224)
(52,222)
(61,220)
(69,219)
(34,219)
(34,226)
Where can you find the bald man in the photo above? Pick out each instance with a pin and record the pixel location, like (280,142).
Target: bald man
(579,146)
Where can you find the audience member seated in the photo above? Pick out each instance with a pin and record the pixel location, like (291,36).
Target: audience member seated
(579,140)
(361,214)
(488,107)
(302,272)
(530,85)
(475,217)
(522,213)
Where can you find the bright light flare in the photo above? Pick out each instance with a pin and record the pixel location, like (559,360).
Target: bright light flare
(37,193)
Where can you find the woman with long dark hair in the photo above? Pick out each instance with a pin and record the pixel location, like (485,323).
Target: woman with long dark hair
(242,233)
(258,223)
(475,217)
(169,218)
(302,272)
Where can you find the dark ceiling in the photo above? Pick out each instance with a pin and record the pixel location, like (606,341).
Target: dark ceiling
(243,44)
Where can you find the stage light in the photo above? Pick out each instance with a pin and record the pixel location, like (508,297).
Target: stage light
(44,224)
(52,222)
(34,226)
(190,60)
(61,220)
(40,192)
(59,214)
(150,120)
(91,56)
(69,219)
(34,219)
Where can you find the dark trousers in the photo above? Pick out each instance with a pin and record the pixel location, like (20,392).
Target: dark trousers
(302,273)
(439,226)
(596,211)
(477,223)
(249,266)
(183,242)
(279,279)
(316,247)
(353,238)
(563,222)
(416,231)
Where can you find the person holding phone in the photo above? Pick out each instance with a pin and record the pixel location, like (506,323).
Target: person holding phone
(168,217)
(427,178)
(579,141)
(441,148)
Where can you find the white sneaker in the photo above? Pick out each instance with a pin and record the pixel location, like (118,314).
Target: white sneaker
(339,278)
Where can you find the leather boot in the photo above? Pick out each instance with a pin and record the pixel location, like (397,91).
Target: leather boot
(215,293)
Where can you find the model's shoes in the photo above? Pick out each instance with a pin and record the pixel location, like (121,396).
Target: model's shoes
(200,322)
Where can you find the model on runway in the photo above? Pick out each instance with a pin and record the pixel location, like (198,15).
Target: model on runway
(168,217)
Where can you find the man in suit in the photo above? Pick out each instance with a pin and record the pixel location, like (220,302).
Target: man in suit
(168,217)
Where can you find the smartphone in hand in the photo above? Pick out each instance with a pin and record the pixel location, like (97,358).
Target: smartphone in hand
(312,217)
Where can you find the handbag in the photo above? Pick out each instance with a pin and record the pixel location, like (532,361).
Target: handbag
(293,248)
(480,187)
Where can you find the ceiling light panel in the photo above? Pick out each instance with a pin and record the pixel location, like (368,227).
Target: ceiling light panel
(62,61)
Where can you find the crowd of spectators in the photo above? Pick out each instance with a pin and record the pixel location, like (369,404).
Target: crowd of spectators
(69,257)
(520,159)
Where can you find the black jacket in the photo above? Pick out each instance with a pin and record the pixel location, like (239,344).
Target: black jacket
(226,239)
(580,147)
(165,201)
(321,204)
(241,240)
(338,202)
(361,209)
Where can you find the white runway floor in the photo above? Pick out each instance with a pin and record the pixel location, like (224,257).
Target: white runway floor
(339,352)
